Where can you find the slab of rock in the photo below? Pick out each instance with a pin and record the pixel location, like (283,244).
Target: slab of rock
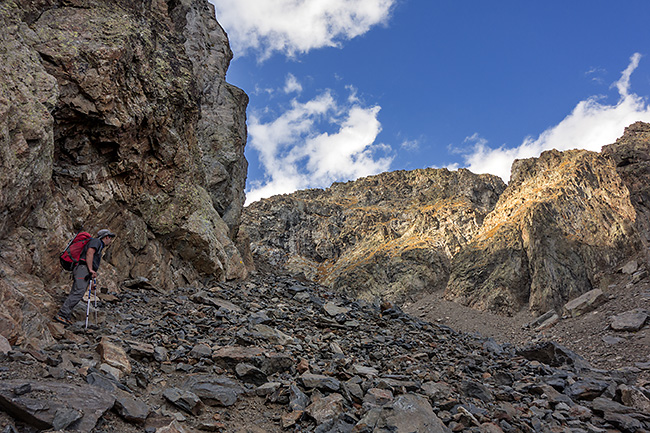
(326,408)
(632,320)
(214,390)
(630,267)
(585,303)
(409,413)
(51,402)
(5,347)
(250,373)
(271,335)
(634,397)
(320,381)
(114,355)
(186,400)
(132,410)
(140,350)
(334,310)
(553,354)
(268,362)
(200,351)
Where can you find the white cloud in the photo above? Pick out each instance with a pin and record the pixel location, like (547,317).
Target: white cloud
(297,26)
(292,85)
(590,126)
(410,145)
(295,155)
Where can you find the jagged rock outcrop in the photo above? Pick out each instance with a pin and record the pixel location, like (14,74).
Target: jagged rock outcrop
(115,114)
(631,154)
(387,236)
(564,218)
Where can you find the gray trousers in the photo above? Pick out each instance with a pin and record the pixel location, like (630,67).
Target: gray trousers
(81,276)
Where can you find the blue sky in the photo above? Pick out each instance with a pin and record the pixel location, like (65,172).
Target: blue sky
(341,89)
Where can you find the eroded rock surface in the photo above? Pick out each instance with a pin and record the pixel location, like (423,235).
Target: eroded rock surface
(388,235)
(115,114)
(564,218)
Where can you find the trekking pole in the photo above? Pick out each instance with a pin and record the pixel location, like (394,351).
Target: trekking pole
(90,288)
(95,285)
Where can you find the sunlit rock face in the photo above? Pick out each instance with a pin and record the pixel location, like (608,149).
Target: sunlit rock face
(564,218)
(390,235)
(116,114)
(631,154)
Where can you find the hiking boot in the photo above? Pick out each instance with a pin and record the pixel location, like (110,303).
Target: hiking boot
(59,318)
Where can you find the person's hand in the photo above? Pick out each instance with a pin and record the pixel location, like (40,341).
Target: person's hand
(93,274)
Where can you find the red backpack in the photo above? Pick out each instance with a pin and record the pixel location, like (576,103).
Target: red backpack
(70,256)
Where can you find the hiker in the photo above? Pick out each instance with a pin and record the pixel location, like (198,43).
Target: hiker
(82,273)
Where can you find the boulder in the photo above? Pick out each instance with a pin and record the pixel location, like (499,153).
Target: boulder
(585,303)
(114,356)
(51,404)
(632,320)
(409,413)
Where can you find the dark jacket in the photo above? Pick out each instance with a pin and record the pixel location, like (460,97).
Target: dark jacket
(98,245)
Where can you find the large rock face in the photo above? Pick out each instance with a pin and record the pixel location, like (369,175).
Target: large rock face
(115,114)
(565,217)
(631,154)
(387,236)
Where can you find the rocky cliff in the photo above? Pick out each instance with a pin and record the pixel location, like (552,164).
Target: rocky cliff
(115,114)
(564,222)
(389,235)
(565,217)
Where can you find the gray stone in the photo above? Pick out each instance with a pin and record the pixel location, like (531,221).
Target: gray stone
(553,354)
(632,320)
(160,354)
(64,417)
(250,373)
(325,408)
(132,410)
(586,389)
(186,400)
(320,381)
(630,267)
(334,310)
(298,400)
(200,351)
(52,400)
(271,335)
(267,389)
(585,303)
(477,390)
(409,413)
(438,391)
(611,340)
(5,347)
(214,390)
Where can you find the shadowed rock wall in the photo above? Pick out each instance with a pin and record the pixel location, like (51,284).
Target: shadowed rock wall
(116,114)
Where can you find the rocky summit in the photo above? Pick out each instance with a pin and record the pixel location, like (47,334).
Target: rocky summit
(275,354)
